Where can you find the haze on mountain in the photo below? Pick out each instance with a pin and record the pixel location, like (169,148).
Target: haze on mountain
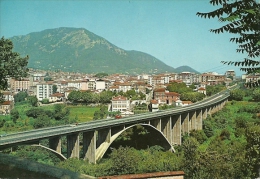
(79,50)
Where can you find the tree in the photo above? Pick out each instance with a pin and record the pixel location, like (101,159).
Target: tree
(178,88)
(33,100)
(242,18)
(74,96)
(14,115)
(20,96)
(237,94)
(256,95)
(54,88)
(253,150)
(11,64)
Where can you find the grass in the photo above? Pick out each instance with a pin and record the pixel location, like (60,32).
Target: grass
(83,113)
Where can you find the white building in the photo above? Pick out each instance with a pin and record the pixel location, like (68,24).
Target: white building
(100,85)
(43,90)
(120,103)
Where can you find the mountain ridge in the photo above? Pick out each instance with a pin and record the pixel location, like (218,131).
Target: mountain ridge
(79,50)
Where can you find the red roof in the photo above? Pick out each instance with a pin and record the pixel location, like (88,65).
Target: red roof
(119,98)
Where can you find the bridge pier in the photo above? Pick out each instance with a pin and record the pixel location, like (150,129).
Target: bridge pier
(104,135)
(204,113)
(73,145)
(166,128)
(185,123)
(55,144)
(156,123)
(89,146)
(198,120)
(193,120)
(176,129)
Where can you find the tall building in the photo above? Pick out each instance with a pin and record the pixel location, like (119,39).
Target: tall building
(44,90)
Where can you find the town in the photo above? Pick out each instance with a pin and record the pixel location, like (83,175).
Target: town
(52,87)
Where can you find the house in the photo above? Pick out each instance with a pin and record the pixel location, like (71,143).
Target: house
(165,97)
(8,96)
(154,105)
(120,103)
(6,107)
(56,97)
(125,87)
(186,103)
(202,90)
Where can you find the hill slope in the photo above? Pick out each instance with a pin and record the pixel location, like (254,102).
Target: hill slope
(77,49)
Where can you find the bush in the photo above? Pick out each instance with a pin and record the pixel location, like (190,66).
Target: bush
(45,101)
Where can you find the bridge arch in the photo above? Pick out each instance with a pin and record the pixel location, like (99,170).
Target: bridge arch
(101,150)
(59,155)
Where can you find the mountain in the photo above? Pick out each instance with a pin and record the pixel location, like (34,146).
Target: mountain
(79,50)
(185,69)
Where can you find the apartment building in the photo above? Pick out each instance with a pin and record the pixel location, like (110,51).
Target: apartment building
(100,85)
(44,91)
(212,78)
(19,85)
(230,73)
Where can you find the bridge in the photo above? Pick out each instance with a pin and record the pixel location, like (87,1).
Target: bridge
(98,135)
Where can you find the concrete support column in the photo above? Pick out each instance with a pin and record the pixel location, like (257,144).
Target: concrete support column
(166,128)
(209,110)
(198,120)
(73,145)
(156,123)
(193,120)
(89,146)
(185,123)
(176,129)
(55,144)
(104,135)
(204,113)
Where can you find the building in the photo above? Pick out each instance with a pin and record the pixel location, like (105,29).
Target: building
(120,103)
(56,97)
(6,107)
(44,91)
(19,85)
(125,87)
(100,85)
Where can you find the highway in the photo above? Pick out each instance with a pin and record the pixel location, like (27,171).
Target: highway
(44,133)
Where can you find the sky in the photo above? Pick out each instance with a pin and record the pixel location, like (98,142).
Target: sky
(166,29)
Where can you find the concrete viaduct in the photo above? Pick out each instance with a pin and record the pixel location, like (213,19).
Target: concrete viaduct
(98,135)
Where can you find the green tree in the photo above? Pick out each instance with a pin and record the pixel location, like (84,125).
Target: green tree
(253,150)
(178,88)
(42,121)
(21,96)
(124,160)
(33,100)
(256,94)
(45,101)
(190,151)
(101,75)
(74,96)
(11,64)
(87,97)
(241,18)
(14,115)
(106,96)
(54,88)
(237,94)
